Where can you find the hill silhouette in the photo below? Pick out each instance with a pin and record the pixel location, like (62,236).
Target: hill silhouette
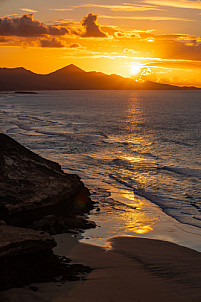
(72,77)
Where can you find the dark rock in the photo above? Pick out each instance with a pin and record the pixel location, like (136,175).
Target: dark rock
(79,222)
(34,288)
(32,187)
(21,254)
(51,224)
(14,241)
(36,193)
(2,222)
(26,257)
(57,225)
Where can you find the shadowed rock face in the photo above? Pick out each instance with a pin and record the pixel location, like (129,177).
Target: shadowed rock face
(15,241)
(36,193)
(32,187)
(26,256)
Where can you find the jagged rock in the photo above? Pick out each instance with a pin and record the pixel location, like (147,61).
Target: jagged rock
(79,222)
(15,241)
(56,225)
(32,187)
(22,254)
(26,256)
(51,224)
(36,193)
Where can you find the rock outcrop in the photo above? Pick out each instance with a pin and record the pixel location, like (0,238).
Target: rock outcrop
(35,193)
(26,256)
(32,187)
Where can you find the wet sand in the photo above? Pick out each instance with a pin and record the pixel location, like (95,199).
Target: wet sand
(129,269)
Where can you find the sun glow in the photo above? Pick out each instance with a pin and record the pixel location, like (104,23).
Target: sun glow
(135,68)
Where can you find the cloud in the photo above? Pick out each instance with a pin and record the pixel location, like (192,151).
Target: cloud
(91,28)
(74,45)
(60,9)
(127,35)
(176,64)
(25,26)
(110,30)
(130,8)
(28,10)
(3,40)
(177,3)
(64,22)
(53,42)
(151,18)
(130,51)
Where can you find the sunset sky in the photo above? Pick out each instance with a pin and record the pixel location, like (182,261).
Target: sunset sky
(148,39)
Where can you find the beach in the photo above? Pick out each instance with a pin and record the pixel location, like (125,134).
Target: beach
(141,163)
(127,269)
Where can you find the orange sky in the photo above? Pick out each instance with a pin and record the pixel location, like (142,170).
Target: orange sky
(147,39)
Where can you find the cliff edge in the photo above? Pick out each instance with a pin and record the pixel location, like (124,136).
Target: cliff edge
(36,194)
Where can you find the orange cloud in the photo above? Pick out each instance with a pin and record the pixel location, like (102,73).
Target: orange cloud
(151,18)
(28,10)
(125,7)
(52,42)
(177,3)
(60,9)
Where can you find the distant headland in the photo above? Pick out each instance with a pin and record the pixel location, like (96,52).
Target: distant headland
(72,77)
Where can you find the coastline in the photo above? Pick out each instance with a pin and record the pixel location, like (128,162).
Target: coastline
(129,269)
(155,224)
(152,221)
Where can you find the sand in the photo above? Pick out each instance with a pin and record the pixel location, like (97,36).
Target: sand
(129,269)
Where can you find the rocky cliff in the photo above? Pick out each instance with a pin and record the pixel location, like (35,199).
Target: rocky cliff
(36,194)
(32,188)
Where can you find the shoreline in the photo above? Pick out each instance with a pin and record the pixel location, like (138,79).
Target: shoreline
(156,224)
(129,269)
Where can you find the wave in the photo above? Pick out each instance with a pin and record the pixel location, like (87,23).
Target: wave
(171,206)
(176,142)
(182,171)
(127,183)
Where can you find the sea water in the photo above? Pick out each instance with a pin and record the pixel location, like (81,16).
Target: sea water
(139,152)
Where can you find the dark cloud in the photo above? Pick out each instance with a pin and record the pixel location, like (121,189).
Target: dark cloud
(53,42)
(91,28)
(2,40)
(74,45)
(25,26)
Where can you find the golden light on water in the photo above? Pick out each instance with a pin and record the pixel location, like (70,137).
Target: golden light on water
(134,214)
(143,229)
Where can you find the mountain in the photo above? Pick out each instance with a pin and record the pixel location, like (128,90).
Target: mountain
(72,77)
(68,69)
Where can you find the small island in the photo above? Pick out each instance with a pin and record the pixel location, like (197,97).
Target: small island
(26,92)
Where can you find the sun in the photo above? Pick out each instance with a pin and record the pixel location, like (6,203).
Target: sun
(135,68)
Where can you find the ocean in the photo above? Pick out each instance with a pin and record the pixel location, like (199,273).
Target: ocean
(139,152)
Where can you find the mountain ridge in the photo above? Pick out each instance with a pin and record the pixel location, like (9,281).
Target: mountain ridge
(72,77)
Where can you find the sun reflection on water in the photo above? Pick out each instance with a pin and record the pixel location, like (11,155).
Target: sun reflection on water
(121,214)
(134,214)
